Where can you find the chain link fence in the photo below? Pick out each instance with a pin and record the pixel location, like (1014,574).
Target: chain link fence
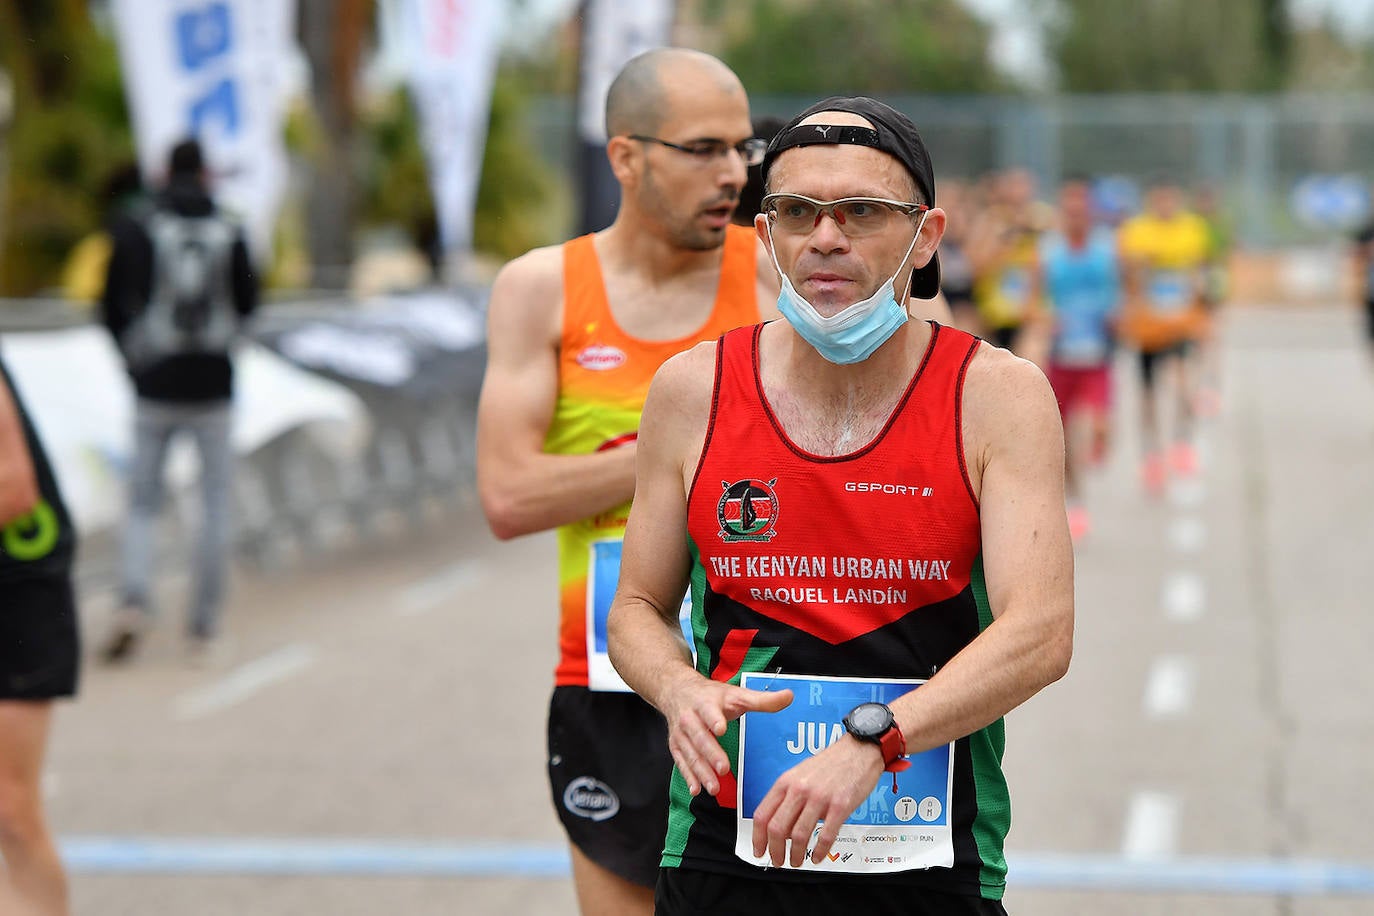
(1292,170)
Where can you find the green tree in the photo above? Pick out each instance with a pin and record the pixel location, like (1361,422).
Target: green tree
(1170,45)
(516,190)
(862,46)
(69,133)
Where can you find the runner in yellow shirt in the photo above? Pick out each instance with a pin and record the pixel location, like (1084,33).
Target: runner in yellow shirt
(1002,253)
(1166,250)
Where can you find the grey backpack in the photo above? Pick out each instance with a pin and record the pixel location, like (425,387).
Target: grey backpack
(191,308)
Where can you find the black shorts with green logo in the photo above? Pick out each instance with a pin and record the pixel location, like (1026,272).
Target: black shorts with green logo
(39,645)
(609,767)
(693,892)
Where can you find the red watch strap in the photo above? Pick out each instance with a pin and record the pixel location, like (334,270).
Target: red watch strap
(893,745)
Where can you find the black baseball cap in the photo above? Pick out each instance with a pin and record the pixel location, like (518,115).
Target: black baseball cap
(892,133)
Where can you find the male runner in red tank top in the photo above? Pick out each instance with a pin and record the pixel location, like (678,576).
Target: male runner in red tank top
(869,512)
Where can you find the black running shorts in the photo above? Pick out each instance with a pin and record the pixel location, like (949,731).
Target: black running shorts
(1150,360)
(692,892)
(609,768)
(39,646)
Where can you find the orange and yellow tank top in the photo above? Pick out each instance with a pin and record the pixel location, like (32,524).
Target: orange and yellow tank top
(603,377)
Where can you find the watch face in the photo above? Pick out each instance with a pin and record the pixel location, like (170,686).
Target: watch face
(870,718)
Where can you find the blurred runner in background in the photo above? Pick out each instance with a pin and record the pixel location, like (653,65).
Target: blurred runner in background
(1166,248)
(1082,289)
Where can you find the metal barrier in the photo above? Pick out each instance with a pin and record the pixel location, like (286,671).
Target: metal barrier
(298,493)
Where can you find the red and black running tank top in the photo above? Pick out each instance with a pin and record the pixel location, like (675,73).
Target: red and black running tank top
(858,565)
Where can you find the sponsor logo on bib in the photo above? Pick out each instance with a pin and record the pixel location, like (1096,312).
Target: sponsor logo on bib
(591,798)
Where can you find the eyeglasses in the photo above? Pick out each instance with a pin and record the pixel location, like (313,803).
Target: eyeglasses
(751,150)
(856,216)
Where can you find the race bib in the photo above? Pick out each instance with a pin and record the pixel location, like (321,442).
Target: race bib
(888,832)
(603,573)
(1014,288)
(1170,290)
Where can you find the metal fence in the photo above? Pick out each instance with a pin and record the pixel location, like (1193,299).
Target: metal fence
(1290,169)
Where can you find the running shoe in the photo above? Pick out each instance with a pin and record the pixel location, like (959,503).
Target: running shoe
(126,632)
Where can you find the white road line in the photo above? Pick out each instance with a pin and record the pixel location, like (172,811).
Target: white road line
(431,592)
(245,681)
(1151,830)
(1188,493)
(1183,596)
(1188,534)
(1169,687)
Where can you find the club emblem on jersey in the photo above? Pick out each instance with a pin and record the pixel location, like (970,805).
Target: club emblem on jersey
(748,510)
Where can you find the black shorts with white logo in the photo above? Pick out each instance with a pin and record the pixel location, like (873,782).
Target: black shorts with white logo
(692,892)
(39,646)
(609,768)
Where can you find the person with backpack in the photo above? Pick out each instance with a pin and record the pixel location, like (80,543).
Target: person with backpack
(179,286)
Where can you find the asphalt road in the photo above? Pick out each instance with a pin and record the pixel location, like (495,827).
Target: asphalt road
(371,741)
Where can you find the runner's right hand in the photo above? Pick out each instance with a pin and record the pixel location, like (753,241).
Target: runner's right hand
(698,712)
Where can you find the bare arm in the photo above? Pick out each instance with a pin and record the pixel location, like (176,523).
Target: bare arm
(1015,440)
(645,643)
(18,481)
(522,488)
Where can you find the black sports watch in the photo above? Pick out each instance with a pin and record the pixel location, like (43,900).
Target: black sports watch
(874,723)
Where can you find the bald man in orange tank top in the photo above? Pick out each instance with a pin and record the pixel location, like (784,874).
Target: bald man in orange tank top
(576,332)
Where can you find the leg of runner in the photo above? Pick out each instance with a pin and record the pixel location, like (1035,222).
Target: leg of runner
(601,892)
(1068,385)
(1152,470)
(1182,452)
(33,869)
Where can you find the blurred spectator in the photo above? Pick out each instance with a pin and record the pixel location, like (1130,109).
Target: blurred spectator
(1364,276)
(39,655)
(956,271)
(178,288)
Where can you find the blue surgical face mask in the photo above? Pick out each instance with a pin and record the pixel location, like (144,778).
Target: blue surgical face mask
(853,334)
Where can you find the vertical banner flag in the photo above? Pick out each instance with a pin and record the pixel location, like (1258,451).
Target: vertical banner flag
(217,71)
(613,31)
(450,49)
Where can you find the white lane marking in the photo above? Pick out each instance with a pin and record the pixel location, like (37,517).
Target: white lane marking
(1183,596)
(245,681)
(1169,687)
(1188,534)
(1151,827)
(429,593)
(1188,493)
